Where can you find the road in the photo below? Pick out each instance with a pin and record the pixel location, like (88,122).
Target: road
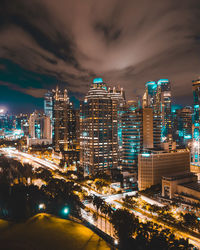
(113,200)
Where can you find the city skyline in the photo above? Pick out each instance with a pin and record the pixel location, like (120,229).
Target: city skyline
(69,43)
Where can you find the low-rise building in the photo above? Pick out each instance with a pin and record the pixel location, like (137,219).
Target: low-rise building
(153,164)
(181,186)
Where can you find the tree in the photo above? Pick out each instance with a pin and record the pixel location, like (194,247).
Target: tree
(125,224)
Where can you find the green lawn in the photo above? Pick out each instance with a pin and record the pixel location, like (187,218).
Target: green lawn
(44,231)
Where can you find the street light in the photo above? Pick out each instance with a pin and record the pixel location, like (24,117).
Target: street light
(41,206)
(116,242)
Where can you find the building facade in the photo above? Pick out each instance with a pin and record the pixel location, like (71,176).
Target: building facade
(99,128)
(132,136)
(65,139)
(154,164)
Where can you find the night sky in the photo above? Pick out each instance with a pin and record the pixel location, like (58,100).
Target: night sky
(69,42)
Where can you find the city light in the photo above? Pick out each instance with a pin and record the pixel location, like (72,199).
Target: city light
(41,206)
(116,242)
(65,210)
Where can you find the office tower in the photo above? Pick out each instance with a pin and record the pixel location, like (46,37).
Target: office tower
(118,104)
(182,125)
(153,164)
(39,129)
(98,128)
(132,135)
(164,90)
(64,128)
(196,120)
(48,104)
(148,130)
(152,115)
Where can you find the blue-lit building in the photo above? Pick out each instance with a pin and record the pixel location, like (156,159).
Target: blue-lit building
(48,104)
(196,120)
(132,135)
(182,125)
(157,96)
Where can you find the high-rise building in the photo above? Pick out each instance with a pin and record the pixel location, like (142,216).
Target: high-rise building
(48,104)
(165,102)
(153,164)
(196,121)
(148,128)
(182,125)
(157,96)
(118,104)
(152,114)
(99,128)
(65,139)
(132,135)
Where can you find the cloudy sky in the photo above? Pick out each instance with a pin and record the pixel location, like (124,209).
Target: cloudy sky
(69,42)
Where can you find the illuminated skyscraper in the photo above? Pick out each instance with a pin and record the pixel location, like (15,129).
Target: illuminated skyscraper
(164,90)
(48,104)
(99,128)
(152,115)
(118,104)
(132,135)
(64,128)
(182,125)
(196,120)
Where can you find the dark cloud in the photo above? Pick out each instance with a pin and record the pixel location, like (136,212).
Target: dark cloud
(68,42)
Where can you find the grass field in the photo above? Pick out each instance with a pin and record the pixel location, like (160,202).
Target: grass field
(46,232)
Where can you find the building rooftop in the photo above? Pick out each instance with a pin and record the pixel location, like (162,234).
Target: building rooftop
(192,185)
(178,176)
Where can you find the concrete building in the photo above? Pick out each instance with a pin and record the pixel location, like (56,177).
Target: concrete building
(181,186)
(39,129)
(147,122)
(153,164)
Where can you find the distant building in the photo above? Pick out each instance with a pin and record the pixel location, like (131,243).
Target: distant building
(196,121)
(165,100)
(182,125)
(65,139)
(48,104)
(153,164)
(152,115)
(39,129)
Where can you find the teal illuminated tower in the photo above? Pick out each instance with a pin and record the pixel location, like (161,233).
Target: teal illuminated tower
(132,135)
(196,120)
